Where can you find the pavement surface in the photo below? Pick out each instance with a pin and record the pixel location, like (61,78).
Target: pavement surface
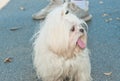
(17,29)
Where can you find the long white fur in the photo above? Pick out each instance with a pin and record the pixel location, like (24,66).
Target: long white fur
(48,65)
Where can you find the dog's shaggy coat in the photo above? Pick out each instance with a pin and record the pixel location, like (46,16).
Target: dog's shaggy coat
(60,48)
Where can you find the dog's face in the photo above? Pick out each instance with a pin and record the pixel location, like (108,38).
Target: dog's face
(78,37)
(66,34)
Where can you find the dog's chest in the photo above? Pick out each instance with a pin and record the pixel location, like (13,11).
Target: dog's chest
(70,68)
(69,65)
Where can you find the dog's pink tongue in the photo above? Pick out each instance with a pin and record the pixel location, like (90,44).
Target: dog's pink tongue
(81,43)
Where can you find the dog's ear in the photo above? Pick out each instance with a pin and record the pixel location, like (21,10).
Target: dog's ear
(85,26)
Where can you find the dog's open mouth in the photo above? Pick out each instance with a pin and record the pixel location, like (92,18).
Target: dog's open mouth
(80,43)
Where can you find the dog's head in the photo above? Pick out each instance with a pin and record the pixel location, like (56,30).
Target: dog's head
(65,34)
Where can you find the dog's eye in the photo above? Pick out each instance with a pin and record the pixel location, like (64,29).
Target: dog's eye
(73,29)
(67,12)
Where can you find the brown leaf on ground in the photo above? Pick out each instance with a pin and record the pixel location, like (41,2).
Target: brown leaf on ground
(7,60)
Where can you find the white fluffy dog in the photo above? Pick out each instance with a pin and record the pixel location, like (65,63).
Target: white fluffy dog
(60,48)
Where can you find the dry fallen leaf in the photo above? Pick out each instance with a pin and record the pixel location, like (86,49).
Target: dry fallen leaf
(22,8)
(100,2)
(104,15)
(106,20)
(14,28)
(7,60)
(117,18)
(110,19)
(108,73)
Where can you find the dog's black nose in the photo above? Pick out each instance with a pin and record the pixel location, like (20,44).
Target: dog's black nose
(81,30)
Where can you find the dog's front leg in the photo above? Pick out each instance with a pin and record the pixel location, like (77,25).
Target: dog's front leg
(83,77)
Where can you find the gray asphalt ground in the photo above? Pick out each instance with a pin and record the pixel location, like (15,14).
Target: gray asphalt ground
(17,28)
